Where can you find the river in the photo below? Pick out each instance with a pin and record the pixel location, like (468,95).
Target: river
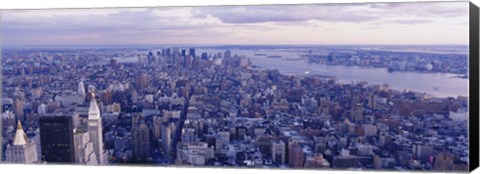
(437,84)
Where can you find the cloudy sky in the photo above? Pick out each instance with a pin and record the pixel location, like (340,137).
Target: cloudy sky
(378,23)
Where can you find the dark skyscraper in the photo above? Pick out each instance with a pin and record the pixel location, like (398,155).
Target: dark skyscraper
(184,53)
(204,56)
(56,138)
(191,51)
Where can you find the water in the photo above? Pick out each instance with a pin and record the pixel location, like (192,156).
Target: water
(437,84)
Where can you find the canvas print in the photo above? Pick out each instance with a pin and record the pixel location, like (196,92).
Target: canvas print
(360,86)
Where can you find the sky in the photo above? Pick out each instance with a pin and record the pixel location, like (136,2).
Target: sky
(359,23)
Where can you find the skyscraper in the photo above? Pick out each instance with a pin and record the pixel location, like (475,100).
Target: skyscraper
(296,157)
(167,131)
(141,81)
(278,152)
(81,89)
(141,142)
(22,150)
(184,52)
(191,51)
(56,138)
(227,54)
(95,129)
(84,151)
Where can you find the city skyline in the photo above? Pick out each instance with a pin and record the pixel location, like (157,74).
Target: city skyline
(317,24)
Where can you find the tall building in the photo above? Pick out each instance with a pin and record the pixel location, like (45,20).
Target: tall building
(141,81)
(95,129)
(443,161)
(141,142)
(167,133)
(22,150)
(191,52)
(278,152)
(56,138)
(188,135)
(84,152)
(19,107)
(227,54)
(222,140)
(357,113)
(204,56)
(114,63)
(372,102)
(184,52)
(107,97)
(81,89)
(157,127)
(42,109)
(296,157)
(134,96)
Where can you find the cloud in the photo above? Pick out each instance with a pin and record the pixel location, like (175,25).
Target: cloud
(225,24)
(411,21)
(356,13)
(287,13)
(423,9)
(141,24)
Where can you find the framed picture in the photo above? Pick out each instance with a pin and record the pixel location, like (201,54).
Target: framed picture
(351,86)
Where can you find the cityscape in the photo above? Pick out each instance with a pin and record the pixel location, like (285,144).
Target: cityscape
(291,106)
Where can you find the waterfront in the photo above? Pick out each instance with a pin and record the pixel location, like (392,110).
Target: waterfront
(437,84)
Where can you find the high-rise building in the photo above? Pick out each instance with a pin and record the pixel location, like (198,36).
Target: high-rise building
(107,97)
(372,102)
(19,107)
(42,109)
(56,138)
(222,140)
(296,157)
(204,56)
(81,89)
(278,152)
(22,150)
(191,52)
(443,161)
(167,133)
(84,152)
(157,127)
(141,81)
(184,52)
(188,135)
(113,63)
(96,130)
(134,96)
(141,142)
(227,54)
(357,112)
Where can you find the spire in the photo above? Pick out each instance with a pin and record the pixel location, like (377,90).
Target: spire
(93,111)
(19,125)
(20,136)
